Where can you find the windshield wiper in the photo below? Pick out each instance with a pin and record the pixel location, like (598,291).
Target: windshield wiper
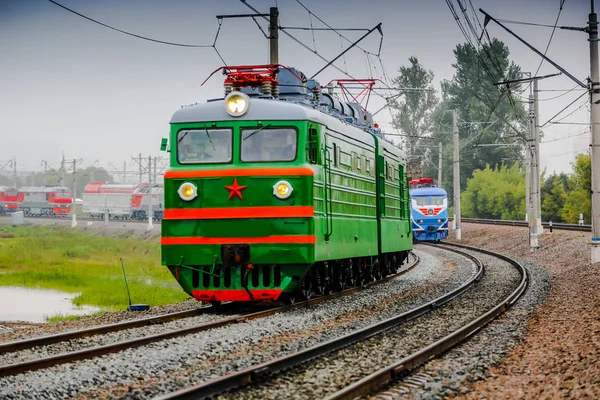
(208,135)
(256,131)
(184,135)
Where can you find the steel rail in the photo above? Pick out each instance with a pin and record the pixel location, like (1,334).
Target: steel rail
(253,374)
(555,225)
(7,347)
(32,365)
(374,381)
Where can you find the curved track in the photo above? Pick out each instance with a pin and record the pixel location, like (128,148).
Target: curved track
(255,374)
(87,353)
(388,374)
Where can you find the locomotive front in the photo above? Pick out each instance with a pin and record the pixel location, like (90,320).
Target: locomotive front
(429,211)
(238,221)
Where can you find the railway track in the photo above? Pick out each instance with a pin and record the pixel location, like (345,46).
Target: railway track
(254,375)
(555,225)
(45,362)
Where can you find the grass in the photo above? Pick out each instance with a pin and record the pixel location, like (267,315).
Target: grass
(72,261)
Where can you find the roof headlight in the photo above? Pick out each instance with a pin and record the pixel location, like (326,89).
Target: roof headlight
(282,190)
(188,191)
(236,104)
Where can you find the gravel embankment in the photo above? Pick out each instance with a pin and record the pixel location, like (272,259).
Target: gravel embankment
(166,366)
(470,362)
(558,356)
(326,375)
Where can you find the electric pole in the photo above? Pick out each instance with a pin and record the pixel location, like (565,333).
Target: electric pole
(62,171)
(273,36)
(150,191)
(528,155)
(140,164)
(125,172)
(595,116)
(456,143)
(532,149)
(537,189)
(440,165)
(74,204)
(14,164)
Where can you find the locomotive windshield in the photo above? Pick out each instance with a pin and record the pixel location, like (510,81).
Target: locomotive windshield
(204,146)
(437,200)
(63,195)
(269,144)
(421,200)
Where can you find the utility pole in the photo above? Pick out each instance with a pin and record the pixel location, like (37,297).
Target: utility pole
(440,165)
(537,189)
(62,171)
(595,116)
(273,35)
(532,168)
(140,164)
(74,204)
(45,172)
(125,172)
(156,159)
(150,190)
(456,143)
(14,163)
(528,155)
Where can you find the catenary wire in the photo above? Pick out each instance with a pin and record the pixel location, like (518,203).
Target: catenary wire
(129,33)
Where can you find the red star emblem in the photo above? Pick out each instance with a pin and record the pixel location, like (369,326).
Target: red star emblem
(235,189)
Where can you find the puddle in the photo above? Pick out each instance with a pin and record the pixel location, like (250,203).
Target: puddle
(35,305)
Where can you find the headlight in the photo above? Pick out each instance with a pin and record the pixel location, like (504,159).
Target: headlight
(236,104)
(188,191)
(282,190)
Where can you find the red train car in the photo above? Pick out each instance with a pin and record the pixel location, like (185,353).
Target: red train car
(46,201)
(8,199)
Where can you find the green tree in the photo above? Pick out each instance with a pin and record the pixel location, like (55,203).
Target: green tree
(414,107)
(488,114)
(495,193)
(578,199)
(554,195)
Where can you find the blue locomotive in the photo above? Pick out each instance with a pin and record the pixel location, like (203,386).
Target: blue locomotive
(429,210)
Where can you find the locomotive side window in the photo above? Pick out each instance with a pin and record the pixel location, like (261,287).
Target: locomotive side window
(204,146)
(269,144)
(437,200)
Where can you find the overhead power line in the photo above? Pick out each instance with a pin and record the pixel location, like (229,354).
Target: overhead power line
(561,111)
(562,3)
(129,33)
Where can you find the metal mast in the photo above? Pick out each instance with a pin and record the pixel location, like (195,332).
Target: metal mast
(456,143)
(595,117)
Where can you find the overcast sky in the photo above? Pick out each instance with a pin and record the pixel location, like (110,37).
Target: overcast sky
(69,85)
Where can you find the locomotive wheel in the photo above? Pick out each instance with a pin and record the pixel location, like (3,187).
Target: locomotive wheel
(307,290)
(288,298)
(341,278)
(323,280)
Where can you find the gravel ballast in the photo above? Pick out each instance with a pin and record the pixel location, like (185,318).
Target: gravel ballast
(452,373)
(558,356)
(169,365)
(330,373)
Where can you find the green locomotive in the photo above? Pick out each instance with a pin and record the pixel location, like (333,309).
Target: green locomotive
(280,191)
